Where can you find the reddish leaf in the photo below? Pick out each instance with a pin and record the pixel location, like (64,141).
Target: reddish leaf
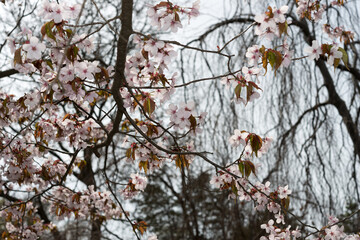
(285,202)
(163,4)
(254,85)
(249,92)
(192,122)
(17,57)
(177,18)
(325,48)
(255,143)
(145,54)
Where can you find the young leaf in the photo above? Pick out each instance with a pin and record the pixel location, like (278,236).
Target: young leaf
(143,165)
(192,122)
(17,57)
(255,143)
(149,105)
(249,168)
(241,168)
(344,57)
(181,161)
(249,92)
(46,29)
(238,90)
(71,53)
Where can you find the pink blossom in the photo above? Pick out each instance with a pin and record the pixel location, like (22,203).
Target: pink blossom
(153,46)
(34,48)
(334,54)
(140,182)
(216,181)
(284,192)
(238,138)
(279,14)
(314,51)
(268,226)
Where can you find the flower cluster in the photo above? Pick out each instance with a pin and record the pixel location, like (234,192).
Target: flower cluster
(333,52)
(260,194)
(244,82)
(272,23)
(278,233)
(147,156)
(17,227)
(165,15)
(136,184)
(96,204)
(58,12)
(66,79)
(310,9)
(338,32)
(251,142)
(185,116)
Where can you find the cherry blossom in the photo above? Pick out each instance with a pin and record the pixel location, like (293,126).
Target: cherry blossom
(152,237)
(253,54)
(239,138)
(314,51)
(334,233)
(268,226)
(334,54)
(32,100)
(139,181)
(11,44)
(34,48)
(73,80)
(279,14)
(284,192)
(72,11)
(216,181)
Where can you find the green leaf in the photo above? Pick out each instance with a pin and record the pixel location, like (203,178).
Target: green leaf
(46,29)
(49,63)
(241,168)
(344,57)
(249,168)
(249,92)
(149,105)
(272,59)
(336,63)
(285,202)
(68,32)
(238,90)
(71,53)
